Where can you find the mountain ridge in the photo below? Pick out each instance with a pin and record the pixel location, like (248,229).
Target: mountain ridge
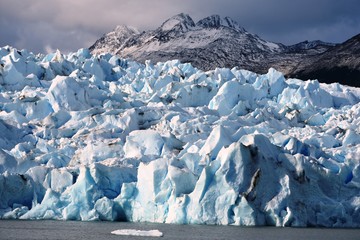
(214,42)
(209,43)
(340,62)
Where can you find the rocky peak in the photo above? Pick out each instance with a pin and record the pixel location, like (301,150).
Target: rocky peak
(125,31)
(310,44)
(351,46)
(215,21)
(181,22)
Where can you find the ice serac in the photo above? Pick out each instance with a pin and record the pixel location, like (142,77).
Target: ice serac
(97,137)
(143,143)
(66,93)
(219,189)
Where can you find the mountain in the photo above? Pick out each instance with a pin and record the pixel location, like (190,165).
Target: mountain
(221,42)
(111,41)
(316,46)
(340,63)
(209,43)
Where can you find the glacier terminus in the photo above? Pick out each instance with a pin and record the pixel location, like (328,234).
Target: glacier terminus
(98,137)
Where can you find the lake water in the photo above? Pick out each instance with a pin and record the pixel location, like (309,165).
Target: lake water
(16,229)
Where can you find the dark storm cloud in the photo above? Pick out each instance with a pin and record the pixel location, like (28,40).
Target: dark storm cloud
(293,21)
(41,25)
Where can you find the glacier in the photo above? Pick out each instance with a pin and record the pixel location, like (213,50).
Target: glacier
(97,137)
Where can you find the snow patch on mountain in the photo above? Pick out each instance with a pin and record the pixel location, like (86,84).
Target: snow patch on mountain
(181,22)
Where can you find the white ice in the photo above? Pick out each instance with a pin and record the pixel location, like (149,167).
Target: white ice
(134,232)
(95,137)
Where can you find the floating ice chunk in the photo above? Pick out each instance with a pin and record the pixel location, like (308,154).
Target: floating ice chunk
(134,232)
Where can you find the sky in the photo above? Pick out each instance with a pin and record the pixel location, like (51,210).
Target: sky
(67,25)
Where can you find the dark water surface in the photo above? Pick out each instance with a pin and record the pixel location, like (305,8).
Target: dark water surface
(16,229)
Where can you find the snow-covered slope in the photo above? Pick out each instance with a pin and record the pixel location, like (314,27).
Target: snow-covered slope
(211,42)
(98,137)
(111,41)
(340,63)
(307,46)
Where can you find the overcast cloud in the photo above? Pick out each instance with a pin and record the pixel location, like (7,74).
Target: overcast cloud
(44,25)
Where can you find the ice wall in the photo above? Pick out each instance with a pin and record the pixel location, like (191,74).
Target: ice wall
(87,137)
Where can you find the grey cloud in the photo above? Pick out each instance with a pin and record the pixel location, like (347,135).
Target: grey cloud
(69,25)
(282,20)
